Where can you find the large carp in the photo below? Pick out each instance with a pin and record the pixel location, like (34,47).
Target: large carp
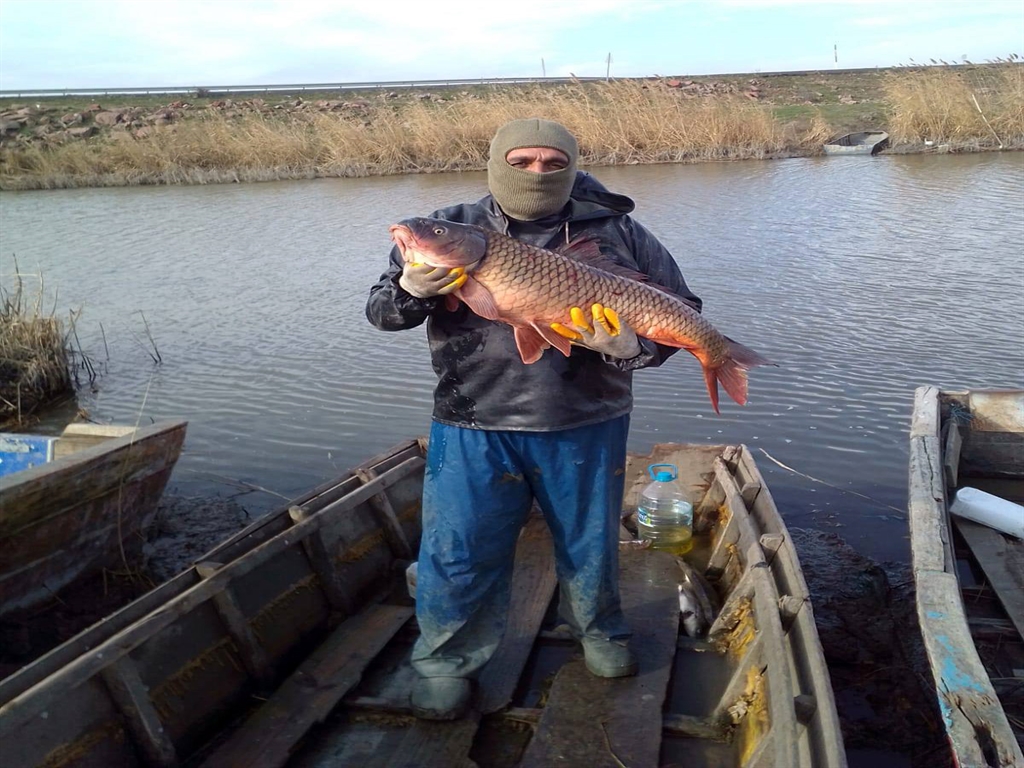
(530,288)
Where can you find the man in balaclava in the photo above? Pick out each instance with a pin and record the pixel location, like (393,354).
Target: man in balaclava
(505,434)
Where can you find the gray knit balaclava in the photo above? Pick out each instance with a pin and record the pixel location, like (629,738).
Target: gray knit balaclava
(525,195)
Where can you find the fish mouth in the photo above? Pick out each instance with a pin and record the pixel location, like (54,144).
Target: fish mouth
(412,250)
(402,236)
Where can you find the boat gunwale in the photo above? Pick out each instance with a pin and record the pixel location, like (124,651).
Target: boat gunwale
(14,482)
(963,688)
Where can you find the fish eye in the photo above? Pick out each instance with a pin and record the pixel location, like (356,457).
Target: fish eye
(439,230)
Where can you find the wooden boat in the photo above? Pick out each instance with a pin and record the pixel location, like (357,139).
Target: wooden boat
(861,143)
(969,577)
(82,501)
(289,643)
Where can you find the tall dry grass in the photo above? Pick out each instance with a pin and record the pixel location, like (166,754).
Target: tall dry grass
(617,122)
(979,106)
(35,355)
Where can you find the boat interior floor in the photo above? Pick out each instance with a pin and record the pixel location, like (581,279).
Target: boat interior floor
(535,702)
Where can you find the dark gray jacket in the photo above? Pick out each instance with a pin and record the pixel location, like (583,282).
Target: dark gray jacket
(483,383)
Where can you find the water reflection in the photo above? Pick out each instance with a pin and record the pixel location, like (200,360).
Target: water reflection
(861,277)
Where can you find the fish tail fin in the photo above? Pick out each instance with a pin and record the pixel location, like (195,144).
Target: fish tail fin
(711,379)
(732,374)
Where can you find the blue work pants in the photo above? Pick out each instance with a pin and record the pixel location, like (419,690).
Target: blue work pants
(478,489)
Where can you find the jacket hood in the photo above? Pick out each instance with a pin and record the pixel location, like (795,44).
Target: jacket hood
(590,199)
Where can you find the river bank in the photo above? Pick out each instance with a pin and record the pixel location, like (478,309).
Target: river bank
(66,142)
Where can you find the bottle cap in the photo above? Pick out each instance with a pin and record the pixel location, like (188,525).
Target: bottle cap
(666,475)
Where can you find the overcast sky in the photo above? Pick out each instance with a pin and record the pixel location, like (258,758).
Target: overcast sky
(133,43)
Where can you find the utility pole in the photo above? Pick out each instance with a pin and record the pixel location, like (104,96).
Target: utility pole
(835,52)
(543,69)
(608,69)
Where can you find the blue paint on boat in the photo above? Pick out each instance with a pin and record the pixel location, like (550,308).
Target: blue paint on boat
(18,452)
(953,677)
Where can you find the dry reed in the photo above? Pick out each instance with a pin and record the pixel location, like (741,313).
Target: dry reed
(621,122)
(618,122)
(35,355)
(972,107)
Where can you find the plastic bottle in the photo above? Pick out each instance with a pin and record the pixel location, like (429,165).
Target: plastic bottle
(663,515)
(993,511)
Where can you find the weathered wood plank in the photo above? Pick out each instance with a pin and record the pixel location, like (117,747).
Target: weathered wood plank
(929,533)
(1002,559)
(388,518)
(268,737)
(967,701)
(232,548)
(48,664)
(31,496)
(323,565)
(434,745)
(533,586)
(951,450)
(595,722)
(132,698)
(77,437)
(249,648)
(994,444)
(997,411)
(312,501)
(27,705)
(440,745)
(926,416)
(64,519)
(39,560)
(823,736)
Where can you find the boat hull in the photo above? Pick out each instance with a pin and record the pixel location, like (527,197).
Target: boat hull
(958,438)
(308,608)
(85,510)
(863,143)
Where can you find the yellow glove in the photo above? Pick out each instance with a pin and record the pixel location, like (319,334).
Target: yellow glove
(424,281)
(608,334)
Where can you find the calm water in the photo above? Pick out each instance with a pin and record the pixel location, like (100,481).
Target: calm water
(862,277)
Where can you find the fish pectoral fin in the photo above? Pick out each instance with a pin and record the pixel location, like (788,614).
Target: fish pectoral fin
(531,345)
(479,299)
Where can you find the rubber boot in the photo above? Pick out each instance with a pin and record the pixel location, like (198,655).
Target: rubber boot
(609,658)
(440,698)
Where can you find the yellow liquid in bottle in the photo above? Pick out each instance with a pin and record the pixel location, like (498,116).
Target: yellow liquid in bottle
(678,541)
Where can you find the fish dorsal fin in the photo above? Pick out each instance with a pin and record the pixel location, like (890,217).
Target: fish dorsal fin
(586,249)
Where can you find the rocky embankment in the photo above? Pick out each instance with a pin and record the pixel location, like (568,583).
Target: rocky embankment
(38,124)
(43,125)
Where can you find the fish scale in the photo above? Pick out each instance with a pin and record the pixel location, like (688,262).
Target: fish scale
(531,283)
(530,288)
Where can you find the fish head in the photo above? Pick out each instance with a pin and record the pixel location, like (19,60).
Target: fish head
(439,243)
